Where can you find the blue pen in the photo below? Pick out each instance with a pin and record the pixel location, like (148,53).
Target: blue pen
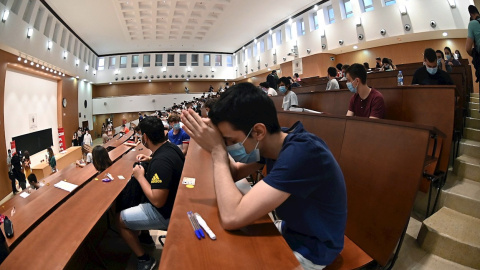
(197,232)
(195,221)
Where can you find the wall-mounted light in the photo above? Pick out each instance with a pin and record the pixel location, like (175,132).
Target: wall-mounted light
(65,54)
(189,69)
(139,70)
(444,34)
(94,72)
(270,31)
(87,67)
(290,21)
(452,3)
(29,32)
(32,63)
(213,69)
(5,15)
(315,7)
(358,21)
(322,32)
(25,61)
(116,71)
(19,57)
(355,47)
(38,64)
(255,41)
(77,62)
(49,45)
(164,69)
(403,9)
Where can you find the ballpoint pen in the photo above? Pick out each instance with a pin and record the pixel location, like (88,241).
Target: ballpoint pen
(205,226)
(198,231)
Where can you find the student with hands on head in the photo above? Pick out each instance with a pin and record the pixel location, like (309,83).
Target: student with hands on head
(304,182)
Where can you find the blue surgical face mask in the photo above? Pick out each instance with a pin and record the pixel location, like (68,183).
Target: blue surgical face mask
(176,126)
(282,89)
(448,56)
(432,71)
(351,88)
(239,154)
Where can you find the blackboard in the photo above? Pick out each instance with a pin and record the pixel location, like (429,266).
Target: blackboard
(34,142)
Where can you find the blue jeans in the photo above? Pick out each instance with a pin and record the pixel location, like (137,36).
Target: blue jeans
(144,217)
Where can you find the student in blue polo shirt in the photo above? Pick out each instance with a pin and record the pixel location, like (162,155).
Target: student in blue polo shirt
(304,182)
(177,135)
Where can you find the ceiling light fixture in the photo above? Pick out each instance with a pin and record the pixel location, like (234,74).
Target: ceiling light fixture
(444,34)
(355,47)
(19,57)
(5,15)
(315,7)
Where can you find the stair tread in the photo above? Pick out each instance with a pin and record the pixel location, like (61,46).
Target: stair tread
(469,159)
(466,188)
(475,129)
(455,225)
(470,142)
(432,261)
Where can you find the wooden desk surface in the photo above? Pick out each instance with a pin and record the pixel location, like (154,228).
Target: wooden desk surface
(117,140)
(53,242)
(58,156)
(41,202)
(257,246)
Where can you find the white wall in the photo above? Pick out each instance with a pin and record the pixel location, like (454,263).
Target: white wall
(85,93)
(26,94)
(138,103)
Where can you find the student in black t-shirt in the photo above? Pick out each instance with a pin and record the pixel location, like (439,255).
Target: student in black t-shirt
(429,74)
(159,183)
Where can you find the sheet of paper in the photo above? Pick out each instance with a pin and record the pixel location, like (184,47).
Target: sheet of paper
(66,186)
(188,181)
(121,177)
(24,194)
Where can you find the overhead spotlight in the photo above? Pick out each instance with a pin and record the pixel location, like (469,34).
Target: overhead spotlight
(49,45)
(55,72)
(116,72)
(444,34)
(149,80)
(309,51)
(37,65)
(31,63)
(255,41)
(315,7)
(77,77)
(164,69)
(29,32)
(43,67)
(433,23)
(63,74)
(110,83)
(25,61)
(340,42)
(270,31)
(383,32)
(94,72)
(284,59)
(189,69)
(19,57)
(213,69)
(355,47)
(5,15)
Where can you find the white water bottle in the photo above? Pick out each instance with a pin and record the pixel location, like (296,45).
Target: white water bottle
(400,78)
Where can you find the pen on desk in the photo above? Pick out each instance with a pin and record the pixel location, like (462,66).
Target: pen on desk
(195,221)
(204,225)
(197,233)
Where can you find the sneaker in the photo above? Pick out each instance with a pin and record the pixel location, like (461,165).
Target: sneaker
(146,265)
(146,239)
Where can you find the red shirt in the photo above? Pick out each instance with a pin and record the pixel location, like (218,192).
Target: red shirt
(373,105)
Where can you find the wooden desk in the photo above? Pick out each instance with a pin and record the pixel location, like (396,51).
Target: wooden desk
(43,169)
(32,210)
(257,246)
(53,242)
(117,140)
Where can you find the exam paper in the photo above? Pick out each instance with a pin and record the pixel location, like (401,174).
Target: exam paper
(66,186)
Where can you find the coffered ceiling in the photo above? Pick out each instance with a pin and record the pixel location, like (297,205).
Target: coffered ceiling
(122,26)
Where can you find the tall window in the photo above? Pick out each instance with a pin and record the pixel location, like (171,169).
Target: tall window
(194,60)
(218,60)
(170,60)
(368,4)
(183,60)
(288,31)
(158,60)
(270,41)
(101,63)
(348,8)
(206,60)
(278,37)
(255,49)
(111,62)
(388,2)
(331,15)
(146,60)
(300,27)
(123,61)
(262,45)
(134,60)
(315,21)
(229,60)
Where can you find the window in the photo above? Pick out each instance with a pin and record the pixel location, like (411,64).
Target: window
(314,21)
(195,60)
(170,60)
(16,6)
(183,60)
(146,60)
(123,61)
(248,53)
(262,45)
(134,60)
(229,60)
(288,31)
(158,60)
(348,8)
(368,4)
(48,26)
(300,27)
(331,15)
(70,43)
(270,41)
(111,62)
(38,19)
(255,49)
(29,11)
(278,38)
(218,60)
(75,47)
(387,3)
(56,29)
(101,63)
(63,38)
(206,60)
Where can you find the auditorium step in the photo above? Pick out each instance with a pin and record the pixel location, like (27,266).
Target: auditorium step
(474,95)
(469,148)
(474,105)
(471,134)
(472,122)
(467,167)
(462,195)
(453,236)
(475,99)
(474,114)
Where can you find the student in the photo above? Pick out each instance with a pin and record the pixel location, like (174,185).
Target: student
(177,135)
(104,136)
(344,70)
(441,61)
(290,98)
(304,184)
(340,74)
(296,77)
(75,139)
(125,129)
(378,62)
(27,164)
(80,136)
(109,133)
(100,158)
(366,101)
(11,175)
(332,83)
(450,59)
(138,136)
(87,138)
(87,157)
(159,183)
(272,79)
(268,90)
(366,65)
(51,160)
(387,65)
(429,74)
(209,104)
(33,182)
(458,55)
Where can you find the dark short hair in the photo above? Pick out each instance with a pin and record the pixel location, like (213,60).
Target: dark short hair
(345,67)
(32,178)
(243,106)
(210,103)
(332,71)
(339,66)
(153,128)
(385,61)
(296,75)
(101,159)
(358,71)
(173,118)
(378,58)
(285,81)
(264,84)
(430,55)
(441,53)
(472,9)
(366,65)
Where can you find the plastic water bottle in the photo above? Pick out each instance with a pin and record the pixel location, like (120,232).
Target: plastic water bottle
(400,78)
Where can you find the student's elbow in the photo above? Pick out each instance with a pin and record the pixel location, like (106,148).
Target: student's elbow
(230,223)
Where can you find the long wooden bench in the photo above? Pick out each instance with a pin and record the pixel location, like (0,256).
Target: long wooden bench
(54,241)
(382,162)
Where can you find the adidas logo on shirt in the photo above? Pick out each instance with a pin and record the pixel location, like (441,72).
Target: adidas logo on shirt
(156,180)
